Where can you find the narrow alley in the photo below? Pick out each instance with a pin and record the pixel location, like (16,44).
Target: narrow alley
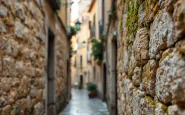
(92,57)
(80,104)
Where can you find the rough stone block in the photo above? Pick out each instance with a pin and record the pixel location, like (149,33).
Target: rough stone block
(149,77)
(179,18)
(30,70)
(23,104)
(3,11)
(19,30)
(19,66)
(141,15)
(25,82)
(6,84)
(147,106)
(8,66)
(170,78)
(33,92)
(39,109)
(19,10)
(2,27)
(141,46)
(132,65)
(39,95)
(137,76)
(175,110)
(41,35)
(126,59)
(181,46)
(160,109)
(2,101)
(161,34)
(12,48)
(137,96)
(6,110)
(128,86)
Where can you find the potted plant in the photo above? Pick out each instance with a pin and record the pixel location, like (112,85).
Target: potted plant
(91,87)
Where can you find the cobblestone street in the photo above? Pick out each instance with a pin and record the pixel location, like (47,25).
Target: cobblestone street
(80,104)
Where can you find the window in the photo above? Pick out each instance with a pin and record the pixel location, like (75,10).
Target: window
(81,61)
(94,20)
(90,25)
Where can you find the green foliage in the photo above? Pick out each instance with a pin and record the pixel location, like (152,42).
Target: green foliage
(60,1)
(132,16)
(91,87)
(97,50)
(113,14)
(73,30)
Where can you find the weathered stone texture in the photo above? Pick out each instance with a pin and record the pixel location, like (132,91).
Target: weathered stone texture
(137,96)
(141,46)
(179,18)
(175,110)
(23,50)
(149,77)
(170,78)
(151,57)
(147,106)
(161,34)
(160,109)
(19,30)
(3,11)
(137,76)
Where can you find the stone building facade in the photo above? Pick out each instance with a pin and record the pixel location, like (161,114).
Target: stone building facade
(34,54)
(150,55)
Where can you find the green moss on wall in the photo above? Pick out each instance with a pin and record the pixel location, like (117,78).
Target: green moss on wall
(132,17)
(150,100)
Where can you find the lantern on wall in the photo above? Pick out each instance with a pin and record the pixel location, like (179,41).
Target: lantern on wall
(78,24)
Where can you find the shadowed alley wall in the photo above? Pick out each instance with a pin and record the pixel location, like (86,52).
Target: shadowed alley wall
(24,33)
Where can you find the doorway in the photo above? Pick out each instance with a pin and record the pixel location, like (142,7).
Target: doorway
(51,83)
(114,76)
(104,82)
(81,81)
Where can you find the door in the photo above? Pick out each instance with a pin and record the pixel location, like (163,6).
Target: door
(114,77)
(51,91)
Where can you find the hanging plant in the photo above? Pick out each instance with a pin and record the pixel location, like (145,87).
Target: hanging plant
(97,51)
(73,30)
(60,2)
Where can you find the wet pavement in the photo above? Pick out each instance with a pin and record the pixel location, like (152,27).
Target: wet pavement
(80,104)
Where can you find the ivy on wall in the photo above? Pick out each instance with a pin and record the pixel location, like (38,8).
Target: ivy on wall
(97,50)
(73,30)
(60,2)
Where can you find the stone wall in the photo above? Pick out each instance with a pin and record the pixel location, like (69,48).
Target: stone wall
(151,56)
(23,57)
